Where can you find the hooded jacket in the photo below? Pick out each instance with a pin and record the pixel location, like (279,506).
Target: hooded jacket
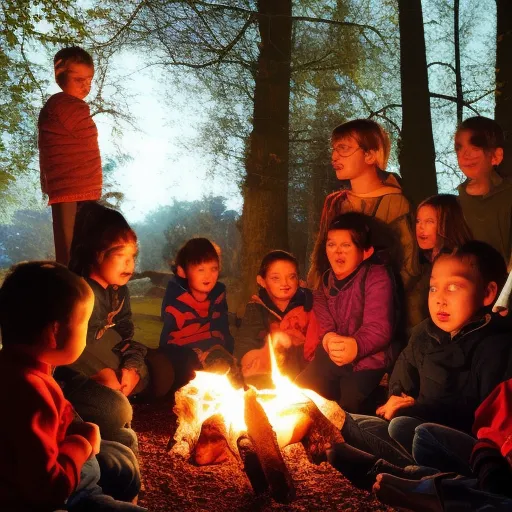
(450,377)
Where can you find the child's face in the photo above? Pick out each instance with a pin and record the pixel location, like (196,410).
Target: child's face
(456,293)
(343,255)
(71,336)
(202,278)
(475,162)
(78,81)
(116,265)
(348,159)
(426,227)
(281,280)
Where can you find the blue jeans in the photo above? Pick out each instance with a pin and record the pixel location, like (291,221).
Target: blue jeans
(443,448)
(89,497)
(370,434)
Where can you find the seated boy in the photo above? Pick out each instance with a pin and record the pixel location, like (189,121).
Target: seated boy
(47,456)
(196,333)
(452,362)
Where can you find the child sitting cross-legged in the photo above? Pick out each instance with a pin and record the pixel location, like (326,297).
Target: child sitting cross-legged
(283,310)
(454,359)
(47,454)
(355,312)
(195,334)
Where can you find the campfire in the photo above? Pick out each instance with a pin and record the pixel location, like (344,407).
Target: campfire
(218,422)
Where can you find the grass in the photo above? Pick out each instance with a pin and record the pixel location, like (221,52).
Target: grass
(146,317)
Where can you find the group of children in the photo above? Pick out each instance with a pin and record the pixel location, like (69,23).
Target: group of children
(384,299)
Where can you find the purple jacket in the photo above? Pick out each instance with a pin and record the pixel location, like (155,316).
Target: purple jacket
(361,306)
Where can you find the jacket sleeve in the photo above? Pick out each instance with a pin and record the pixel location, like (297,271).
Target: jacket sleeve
(248,335)
(229,342)
(405,375)
(131,353)
(169,320)
(375,333)
(324,319)
(48,471)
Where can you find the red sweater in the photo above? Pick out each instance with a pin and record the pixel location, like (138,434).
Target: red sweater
(493,421)
(39,465)
(69,156)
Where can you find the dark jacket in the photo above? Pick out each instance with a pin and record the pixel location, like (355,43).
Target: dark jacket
(450,377)
(193,324)
(490,216)
(105,349)
(262,317)
(361,306)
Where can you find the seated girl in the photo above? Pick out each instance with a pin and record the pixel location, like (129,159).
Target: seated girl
(112,366)
(281,312)
(440,225)
(355,311)
(195,334)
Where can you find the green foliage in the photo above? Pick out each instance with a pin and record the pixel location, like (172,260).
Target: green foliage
(165,230)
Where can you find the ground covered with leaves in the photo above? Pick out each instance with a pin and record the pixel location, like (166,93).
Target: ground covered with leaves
(173,484)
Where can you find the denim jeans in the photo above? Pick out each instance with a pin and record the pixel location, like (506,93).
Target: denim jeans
(402,431)
(443,448)
(370,434)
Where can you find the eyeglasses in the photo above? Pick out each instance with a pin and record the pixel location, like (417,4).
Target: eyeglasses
(345,150)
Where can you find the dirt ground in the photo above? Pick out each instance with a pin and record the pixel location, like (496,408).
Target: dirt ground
(173,484)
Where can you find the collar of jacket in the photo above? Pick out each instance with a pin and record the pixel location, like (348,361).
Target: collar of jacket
(333,286)
(498,184)
(443,337)
(303,297)
(182,282)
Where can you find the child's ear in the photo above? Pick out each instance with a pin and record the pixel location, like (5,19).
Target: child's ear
(491,291)
(370,157)
(497,156)
(368,252)
(260,281)
(181,272)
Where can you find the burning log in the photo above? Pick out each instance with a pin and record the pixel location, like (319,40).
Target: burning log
(252,465)
(264,440)
(212,445)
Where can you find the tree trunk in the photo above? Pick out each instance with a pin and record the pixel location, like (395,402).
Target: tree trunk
(503,111)
(417,152)
(458,76)
(264,223)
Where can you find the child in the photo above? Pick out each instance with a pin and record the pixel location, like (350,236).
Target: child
(360,150)
(281,309)
(355,311)
(195,312)
(440,225)
(453,360)
(112,365)
(69,156)
(485,197)
(46,456)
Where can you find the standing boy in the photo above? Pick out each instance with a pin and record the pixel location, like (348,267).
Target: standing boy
(69,155)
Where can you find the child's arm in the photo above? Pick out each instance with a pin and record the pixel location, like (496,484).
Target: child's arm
(324,319)
(48,470)
(249,340)
(75,117)
(376,331)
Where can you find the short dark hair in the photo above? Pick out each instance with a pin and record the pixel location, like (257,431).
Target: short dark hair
(34,295)
(194,252)
(66,56)
(486,133)
(273,256)
(97,229)
(359,226)
(486,259)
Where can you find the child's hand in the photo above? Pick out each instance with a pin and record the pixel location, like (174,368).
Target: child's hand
(107,377)
(129,379)
(90,431)
(389,409)
(341,349)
